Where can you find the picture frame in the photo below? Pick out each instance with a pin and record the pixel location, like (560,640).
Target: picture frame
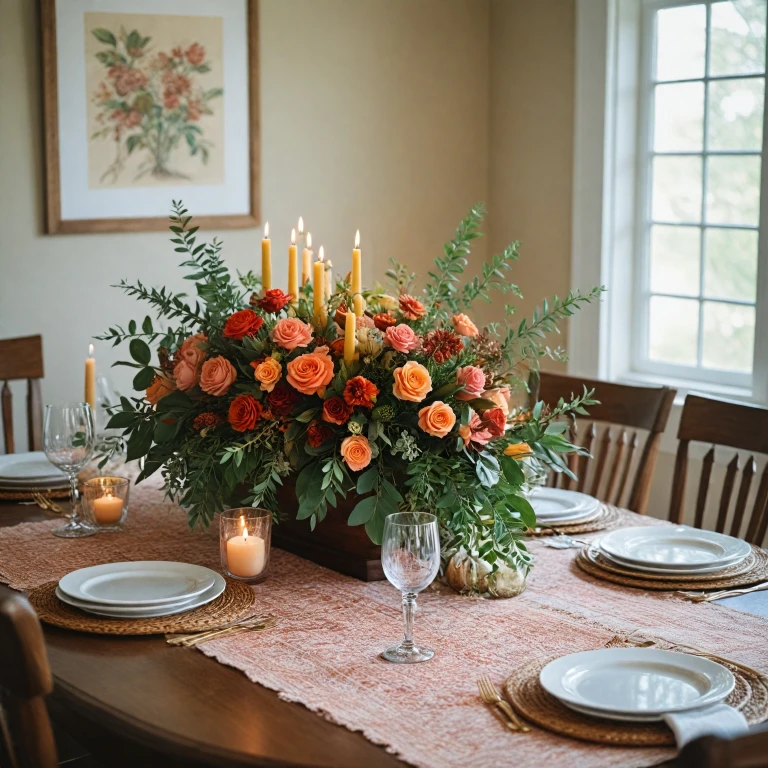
(146,101)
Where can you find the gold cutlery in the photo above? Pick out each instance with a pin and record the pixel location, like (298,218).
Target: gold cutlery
(500,707)
(706,597)
(250,624)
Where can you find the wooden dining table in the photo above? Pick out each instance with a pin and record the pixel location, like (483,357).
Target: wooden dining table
(139,701)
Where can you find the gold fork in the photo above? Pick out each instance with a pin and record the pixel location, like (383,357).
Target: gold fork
(252,624)
(490,696)
(707,597)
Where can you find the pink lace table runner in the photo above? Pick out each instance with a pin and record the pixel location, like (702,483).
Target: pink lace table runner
(324,652)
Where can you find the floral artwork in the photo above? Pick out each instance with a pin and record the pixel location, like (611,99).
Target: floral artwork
(155,104)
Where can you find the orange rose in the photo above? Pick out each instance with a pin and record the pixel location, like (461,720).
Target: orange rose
(312,372)
(217,376)
(412,382)
(192,350)
(244,412)
(159,388)
(437,419)
(241,324)
(356,452)
(518,450)
(267,372)
(464,326)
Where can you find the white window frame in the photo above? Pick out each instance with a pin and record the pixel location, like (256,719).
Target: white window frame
(612,76)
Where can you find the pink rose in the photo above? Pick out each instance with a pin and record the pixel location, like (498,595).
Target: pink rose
(402,338)
(464,326)
(500,397)
(291,332)
(186,375)
(192,349)
(217,376)
(473,379)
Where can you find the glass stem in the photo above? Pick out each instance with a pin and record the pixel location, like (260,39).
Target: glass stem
(409,606)
(75,493)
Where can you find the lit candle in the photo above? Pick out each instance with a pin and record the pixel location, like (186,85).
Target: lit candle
(356,287)
(245,555)
(266,259)
(350,329)
(108,508)
(90,379)
(328,279)
(318,285)
(306,260)
(293,269)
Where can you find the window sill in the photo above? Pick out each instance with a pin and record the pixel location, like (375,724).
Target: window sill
(684,386)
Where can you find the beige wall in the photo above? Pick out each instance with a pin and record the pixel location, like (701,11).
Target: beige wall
(374,115)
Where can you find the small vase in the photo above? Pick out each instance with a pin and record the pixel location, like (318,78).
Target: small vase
(473,575)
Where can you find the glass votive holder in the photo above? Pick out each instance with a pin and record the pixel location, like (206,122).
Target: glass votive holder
(244,540)
(105,501)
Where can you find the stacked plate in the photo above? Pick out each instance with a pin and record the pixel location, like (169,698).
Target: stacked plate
(140,590)
(635,684)
(30,472)
(674,551)
(555,506)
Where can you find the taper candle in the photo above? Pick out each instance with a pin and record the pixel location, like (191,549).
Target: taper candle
(356,287)
(328,279)
(306,260)
(90,379)
(350,330)
(318,285)
(293,269)
(266,260)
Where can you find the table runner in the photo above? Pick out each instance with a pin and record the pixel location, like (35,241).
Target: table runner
(324,652)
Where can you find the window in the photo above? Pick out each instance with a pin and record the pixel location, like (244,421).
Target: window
(700,161)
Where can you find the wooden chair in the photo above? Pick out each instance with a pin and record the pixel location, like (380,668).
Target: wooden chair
(736,425)
(22,358)
(748,751)
(627,411)
(26,738)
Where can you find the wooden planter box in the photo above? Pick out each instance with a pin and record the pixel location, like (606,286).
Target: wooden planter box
(333,544)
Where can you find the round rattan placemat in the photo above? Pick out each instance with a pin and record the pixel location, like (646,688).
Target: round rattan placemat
(593,563)
(609,517)
(524,692)
(236,602)
(29,494)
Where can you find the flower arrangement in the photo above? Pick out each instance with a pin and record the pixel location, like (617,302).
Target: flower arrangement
(251,388)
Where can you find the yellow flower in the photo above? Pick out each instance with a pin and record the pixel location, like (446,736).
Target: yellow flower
(518,451)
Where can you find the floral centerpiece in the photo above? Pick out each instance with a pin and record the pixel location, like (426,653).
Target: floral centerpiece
(252,389)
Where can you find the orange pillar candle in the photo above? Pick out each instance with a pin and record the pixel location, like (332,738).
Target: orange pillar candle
(90,379)
(306,260)
(293,269)
(266,260)
(350,331)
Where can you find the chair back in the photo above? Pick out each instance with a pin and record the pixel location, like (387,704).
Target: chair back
(622,470)
(22,358)
(724,424)
(748,751)
(26,739)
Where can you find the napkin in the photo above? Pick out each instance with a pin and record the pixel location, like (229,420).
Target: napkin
(717,720)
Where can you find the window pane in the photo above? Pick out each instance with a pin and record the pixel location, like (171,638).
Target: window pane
(680,42)
(733,190)
(673,331)
(738,38)
(730,264)
(736,114)
(677,189)
(729,336)
(679,117)
(675,255)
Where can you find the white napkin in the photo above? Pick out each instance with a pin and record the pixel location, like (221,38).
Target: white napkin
(717,720)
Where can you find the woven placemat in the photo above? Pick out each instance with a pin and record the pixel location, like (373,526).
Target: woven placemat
(607,518)
(592,562)
(525,693)
(29,495)
(236,602)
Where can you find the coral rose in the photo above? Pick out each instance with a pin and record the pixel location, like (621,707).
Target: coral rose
(244,412)
(494,421)
(159,388)
(518,451)
(356,452)
(241,324)
(360,391)
(318,433)
(474,432)
(473,380)
(402,338)
(291,332)
(192,349)
(412,382)
(186,375)
(500,397)
(274,300)
(464,326)
(383,321)
(282,399)
(312,372)
(437,419)
(336,410)
(217,376)
(267,372)
(411,308)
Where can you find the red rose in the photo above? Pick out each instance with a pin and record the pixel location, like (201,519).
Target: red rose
(494,421)
(383,321)
(360,391)
(336,411)
(243,323)
(274,300)
(244,412)
(282,399)
(318,433)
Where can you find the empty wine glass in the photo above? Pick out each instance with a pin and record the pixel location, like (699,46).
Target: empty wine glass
(410,556)
(68,442)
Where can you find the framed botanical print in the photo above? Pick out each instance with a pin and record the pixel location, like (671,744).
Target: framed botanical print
(148,101)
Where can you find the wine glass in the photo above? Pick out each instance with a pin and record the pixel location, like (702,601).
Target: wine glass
(68,442)
(410,556)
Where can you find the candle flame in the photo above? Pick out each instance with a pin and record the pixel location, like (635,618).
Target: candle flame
(245,534)
(309,240)
(321,254)
(301,225)
(357,239)
(266,231)
(293,237)
(90,350)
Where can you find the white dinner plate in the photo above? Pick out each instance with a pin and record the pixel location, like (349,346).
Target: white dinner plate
(677,546)
(557,503)
(29,468)
(149,583)
(692,570)
(218,586)
(636,681)
(623,716)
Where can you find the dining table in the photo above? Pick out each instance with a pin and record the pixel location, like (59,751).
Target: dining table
(138,697)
